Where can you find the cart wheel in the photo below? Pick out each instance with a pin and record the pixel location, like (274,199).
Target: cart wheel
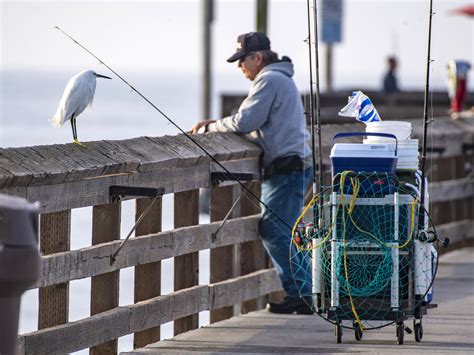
(357,331)
(418,332)
(400,332)
(338,333)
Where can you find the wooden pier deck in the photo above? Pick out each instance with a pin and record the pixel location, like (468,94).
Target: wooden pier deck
(449,329)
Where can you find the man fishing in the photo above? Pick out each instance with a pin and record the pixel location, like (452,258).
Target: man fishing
(272,116)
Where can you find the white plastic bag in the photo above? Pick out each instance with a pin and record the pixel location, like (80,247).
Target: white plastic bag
(360,107)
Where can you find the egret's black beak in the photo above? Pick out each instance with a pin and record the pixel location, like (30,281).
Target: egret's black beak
(102,76)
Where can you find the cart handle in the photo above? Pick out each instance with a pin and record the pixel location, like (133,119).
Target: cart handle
(361,134)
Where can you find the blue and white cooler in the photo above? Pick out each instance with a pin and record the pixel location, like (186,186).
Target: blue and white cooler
(376,161)
(373,157)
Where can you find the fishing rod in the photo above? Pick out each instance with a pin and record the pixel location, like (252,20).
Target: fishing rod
(316,181)
(318,115)
(311,95)
(226,171)
(425,106)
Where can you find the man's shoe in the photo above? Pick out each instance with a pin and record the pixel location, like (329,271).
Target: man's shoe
(290,305)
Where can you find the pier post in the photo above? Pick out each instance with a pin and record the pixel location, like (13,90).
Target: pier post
(222,259)
(55,233)
(105,288)
(253,256)
(186,267)
(147,276)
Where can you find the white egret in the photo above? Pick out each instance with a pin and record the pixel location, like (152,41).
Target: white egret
(78,94)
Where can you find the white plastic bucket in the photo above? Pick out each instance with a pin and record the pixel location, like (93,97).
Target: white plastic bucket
(401,129)
(408,155)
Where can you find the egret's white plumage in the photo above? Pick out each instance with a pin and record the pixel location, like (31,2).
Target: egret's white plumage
(78,94)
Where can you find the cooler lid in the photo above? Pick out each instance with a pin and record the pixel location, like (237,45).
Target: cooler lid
(375,150)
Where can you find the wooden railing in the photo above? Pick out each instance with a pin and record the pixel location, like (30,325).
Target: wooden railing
(65,177)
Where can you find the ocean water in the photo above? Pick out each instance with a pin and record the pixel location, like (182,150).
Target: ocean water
(29,100)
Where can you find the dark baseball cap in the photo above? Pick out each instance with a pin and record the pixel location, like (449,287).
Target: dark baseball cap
(250,42)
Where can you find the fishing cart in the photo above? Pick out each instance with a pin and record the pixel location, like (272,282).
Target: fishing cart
(363,253)
(372,258)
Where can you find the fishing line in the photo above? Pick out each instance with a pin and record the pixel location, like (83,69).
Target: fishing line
(226,171)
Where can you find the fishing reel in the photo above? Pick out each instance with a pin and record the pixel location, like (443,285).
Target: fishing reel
(429,236)
(303,235)
(426,236)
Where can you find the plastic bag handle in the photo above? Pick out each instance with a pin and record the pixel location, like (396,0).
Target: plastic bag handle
(359,134)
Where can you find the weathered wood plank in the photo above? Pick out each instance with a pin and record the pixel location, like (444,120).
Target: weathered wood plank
(55,233)
(95,190)
(105,287)
(148,276)
(221,259)
(78,335)
(242,288)
(451,190)
(252,254)
(95,260)
(12,174)
(121,321)
(186,267)
(458,232)
(67,162)
(169,307)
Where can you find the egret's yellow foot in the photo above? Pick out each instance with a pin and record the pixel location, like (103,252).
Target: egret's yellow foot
(79,143)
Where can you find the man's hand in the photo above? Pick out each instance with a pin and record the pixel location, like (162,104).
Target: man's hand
(195,129)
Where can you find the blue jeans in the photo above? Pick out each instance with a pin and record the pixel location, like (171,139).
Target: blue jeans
(284,194)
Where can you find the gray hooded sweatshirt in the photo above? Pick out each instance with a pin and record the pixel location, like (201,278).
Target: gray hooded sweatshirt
(271,116)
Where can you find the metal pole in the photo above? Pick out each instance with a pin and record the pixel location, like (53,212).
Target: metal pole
(262,15)
(207,7)
(329,67)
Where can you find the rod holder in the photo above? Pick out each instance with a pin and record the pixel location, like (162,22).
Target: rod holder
(118,192)
(218,177)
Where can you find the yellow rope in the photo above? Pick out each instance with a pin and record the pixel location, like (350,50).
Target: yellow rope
(351,206)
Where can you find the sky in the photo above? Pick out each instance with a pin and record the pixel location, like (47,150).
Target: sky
(165,36)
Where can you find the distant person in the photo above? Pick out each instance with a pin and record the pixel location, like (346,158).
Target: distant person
(272,115)
(457,85)
(390,85)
